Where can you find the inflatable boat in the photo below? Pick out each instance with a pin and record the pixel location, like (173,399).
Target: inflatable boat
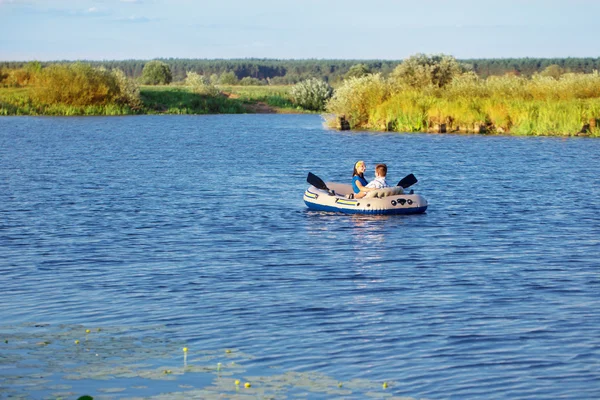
(333,197)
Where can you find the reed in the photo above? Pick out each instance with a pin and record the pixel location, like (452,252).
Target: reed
(540,105)
(357,100)
(19,102)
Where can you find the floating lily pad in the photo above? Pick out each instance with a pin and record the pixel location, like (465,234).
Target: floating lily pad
(44,358)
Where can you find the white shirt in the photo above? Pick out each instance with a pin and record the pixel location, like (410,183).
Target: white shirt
(378,183)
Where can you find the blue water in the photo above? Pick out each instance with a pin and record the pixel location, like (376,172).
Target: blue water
(197,224)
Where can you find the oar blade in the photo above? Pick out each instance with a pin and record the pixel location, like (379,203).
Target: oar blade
(316,181)
(407,181)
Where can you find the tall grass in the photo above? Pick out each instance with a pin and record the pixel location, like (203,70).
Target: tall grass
(274,95)
(540,105)
(20,102)
(357,100)
(81,85)
(182,100)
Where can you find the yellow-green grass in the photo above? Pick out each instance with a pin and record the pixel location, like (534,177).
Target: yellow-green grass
(156,100)
(277,96)
(17,101)
(519,117)
(570,106)
(181,100)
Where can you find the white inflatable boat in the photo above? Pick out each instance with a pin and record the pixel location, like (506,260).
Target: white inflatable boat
(331,196)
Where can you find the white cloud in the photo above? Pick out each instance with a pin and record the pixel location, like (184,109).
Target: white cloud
(135,19)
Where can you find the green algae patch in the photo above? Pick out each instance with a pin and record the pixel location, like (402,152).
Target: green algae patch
(67,361)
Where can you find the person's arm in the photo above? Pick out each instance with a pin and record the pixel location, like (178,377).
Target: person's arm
(363,188)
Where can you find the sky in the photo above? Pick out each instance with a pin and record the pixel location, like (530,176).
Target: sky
(47,30)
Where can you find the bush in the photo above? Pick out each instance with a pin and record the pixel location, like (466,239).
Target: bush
(228,78)
(421,70)
(156,73)
(200,84)
(553,71)
(311,94)
(129,92)
(357,71)
(82,85)
(357,98)
(17,78)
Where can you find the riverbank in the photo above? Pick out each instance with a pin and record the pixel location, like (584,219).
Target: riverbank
(540,106)
(161,100)
(361,104)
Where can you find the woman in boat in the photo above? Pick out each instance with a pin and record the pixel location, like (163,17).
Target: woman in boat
(359,183)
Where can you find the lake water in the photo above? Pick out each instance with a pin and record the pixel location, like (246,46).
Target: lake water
(163,232)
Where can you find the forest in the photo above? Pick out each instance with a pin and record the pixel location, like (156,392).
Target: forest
(287,72)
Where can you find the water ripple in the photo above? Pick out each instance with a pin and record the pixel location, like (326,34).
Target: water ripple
(197,224)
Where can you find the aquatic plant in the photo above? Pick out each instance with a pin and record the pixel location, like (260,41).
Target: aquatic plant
(136,358)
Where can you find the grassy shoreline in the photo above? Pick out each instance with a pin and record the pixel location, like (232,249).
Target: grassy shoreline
(412,112)
(509,105)
(160,100)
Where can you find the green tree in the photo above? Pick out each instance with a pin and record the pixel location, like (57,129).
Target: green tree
(156,72)
(423,70)
(228,78)
(200,84)
(311,94)
(358,71)
(553,71)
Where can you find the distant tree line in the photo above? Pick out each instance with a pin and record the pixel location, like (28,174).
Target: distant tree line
(286,72)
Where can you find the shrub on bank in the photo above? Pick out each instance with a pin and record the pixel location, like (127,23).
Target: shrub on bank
(200,84)
(82,85)
(357,99)
(311,94)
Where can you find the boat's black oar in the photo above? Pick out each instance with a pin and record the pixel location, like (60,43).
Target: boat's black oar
(316,181)
(407,181)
